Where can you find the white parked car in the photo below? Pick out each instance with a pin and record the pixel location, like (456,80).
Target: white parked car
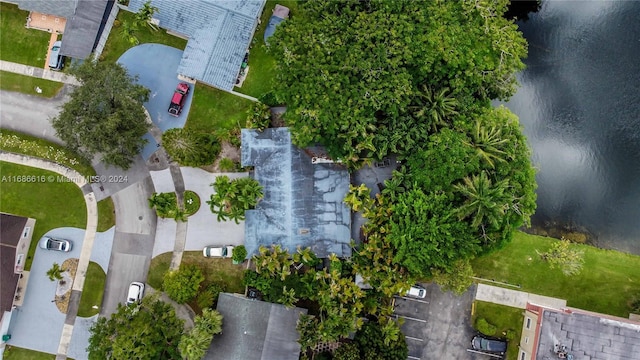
(136,291)
(218,252)
(49,243)
(417,291)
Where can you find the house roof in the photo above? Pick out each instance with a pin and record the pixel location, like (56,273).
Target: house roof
(587,335)
(83,27)
(84,21)
(11,228)
(255,330)
(303,202)
(62,8)
(219,33)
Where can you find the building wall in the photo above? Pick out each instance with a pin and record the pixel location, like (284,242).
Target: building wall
(527,341)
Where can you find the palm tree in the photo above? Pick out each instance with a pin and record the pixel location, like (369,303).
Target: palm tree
(487,141)
(210,321)
(193,346)
(55,273)
(437,107)
(145,14)
(485,203)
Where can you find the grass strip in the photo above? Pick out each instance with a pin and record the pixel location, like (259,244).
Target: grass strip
(28,84)
(92,291)
(607,283)
(507,320)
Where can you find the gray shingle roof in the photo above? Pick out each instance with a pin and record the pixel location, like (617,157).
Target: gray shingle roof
(82,28)
(219,33)
(255,330)
(303,202)
(62,8)
(588,336)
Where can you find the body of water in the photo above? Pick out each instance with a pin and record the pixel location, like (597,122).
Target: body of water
(579,103)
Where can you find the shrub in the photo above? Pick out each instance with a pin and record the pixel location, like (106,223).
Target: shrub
(258,116)
(239,253)
(269,98)
(511,334)
(347,351)
(227,165)
(484,327)
(182,285)
(190,147)
(208,297)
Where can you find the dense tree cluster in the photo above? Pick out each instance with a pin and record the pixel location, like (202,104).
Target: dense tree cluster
(414,79)
(337,304)
(233,197)
(148,331)
(104,115)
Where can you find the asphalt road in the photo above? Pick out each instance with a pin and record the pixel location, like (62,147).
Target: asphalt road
(30,114)
(135,222)
(132,244)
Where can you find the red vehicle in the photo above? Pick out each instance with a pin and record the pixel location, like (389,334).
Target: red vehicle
(177,101)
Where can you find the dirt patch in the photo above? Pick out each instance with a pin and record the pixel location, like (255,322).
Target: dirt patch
(62,301)
(228,151)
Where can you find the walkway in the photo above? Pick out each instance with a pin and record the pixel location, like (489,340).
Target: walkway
(37,72)
(87,245)
(514,298)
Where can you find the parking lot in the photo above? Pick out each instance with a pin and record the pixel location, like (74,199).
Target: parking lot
(438,326)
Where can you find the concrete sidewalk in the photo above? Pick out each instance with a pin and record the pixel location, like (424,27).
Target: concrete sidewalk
(37,72)
(514,298)
(87,245)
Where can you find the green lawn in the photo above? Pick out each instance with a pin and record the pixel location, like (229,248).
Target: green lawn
(92,291)
(191,202)
(17,43)
(53,204)
(117,44)
(504,318)
(606,284)
(106,214)
(16,353)
(219,271)
(214,110)
(27,84)
(262,64)
(29,145)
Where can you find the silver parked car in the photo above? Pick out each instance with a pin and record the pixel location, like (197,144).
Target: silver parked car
(50,243)
(56,61)
(218,252)
(136,291)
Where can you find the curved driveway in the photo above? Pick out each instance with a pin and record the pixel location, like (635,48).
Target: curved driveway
(87,244)
(156,67)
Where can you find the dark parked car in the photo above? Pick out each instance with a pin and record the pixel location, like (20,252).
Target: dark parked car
(489,345)
(49,243)
(177,101)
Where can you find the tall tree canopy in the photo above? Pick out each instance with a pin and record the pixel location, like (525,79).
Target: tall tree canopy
(105,114)
(366,78)
(148,331)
